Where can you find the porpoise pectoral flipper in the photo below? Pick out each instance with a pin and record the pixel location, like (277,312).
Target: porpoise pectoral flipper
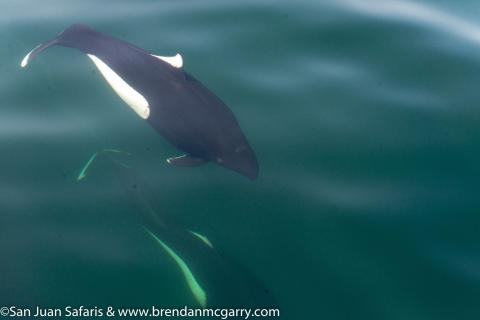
(186,161)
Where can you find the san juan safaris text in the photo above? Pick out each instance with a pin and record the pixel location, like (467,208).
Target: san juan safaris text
(68,311)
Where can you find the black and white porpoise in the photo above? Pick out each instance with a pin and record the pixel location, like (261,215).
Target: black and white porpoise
(214,278)
(158,89)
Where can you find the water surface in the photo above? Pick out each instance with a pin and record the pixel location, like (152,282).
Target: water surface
(364,116)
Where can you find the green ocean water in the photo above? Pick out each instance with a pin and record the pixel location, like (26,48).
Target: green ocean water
(365,119)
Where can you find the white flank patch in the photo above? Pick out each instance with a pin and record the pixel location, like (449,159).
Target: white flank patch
(24,62)
(197,291)
(175,61)
(132,97)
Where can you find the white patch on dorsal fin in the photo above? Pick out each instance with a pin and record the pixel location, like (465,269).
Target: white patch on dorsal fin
(132,97)
(175,61)
(203,238)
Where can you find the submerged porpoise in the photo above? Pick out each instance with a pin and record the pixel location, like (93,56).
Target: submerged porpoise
(158,89)
(214,278)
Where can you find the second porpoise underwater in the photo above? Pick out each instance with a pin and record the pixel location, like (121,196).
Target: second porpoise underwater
(214,278)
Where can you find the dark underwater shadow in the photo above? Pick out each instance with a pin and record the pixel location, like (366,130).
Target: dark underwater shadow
(215,279)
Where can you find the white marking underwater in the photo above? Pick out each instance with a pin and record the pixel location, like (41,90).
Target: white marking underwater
(203,238)
(131,97)
(169,160)
(175,61)
(24,62)
(193,284)
(86,167)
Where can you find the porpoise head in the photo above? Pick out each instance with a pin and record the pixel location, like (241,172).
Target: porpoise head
(241,159)
(76,36)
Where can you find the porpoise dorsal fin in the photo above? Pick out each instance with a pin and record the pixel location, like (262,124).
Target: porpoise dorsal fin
(175,61)
(185,161)
(203,238)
